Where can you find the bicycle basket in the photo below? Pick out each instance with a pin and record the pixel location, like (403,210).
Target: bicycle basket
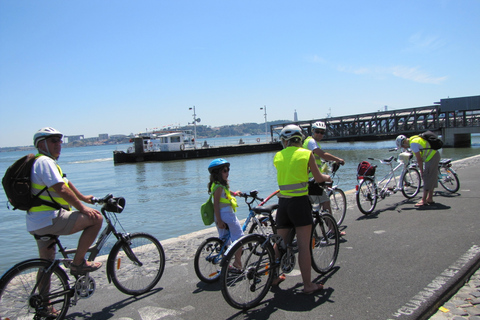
(115,205)
(404,157)
(365,169)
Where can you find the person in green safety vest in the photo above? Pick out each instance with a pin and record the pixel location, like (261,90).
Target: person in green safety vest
(313,143)
(295,210)
(427,159)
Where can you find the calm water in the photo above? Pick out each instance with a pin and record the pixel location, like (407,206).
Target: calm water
(163,198)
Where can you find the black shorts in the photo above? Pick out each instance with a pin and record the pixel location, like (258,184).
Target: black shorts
(294,212)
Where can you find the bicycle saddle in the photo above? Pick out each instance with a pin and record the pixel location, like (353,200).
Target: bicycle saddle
(265,209)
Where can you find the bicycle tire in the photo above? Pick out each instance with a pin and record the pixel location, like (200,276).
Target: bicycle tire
(325,243)
(129,276)
(19,295)
(367,196)
(338,205)
(244,289)
(412,181)
(449,179)
(207,259)
(268,226)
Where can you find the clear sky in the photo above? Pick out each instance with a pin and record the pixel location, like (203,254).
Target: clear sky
(120,67)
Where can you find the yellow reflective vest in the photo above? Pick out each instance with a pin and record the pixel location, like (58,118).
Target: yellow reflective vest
(322,165)
(292,171)
(426,152)
(49,194)
(225,202)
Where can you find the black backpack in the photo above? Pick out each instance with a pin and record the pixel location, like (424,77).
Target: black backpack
(433,140)
(17,185)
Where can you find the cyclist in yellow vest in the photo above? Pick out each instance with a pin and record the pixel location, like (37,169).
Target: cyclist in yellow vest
(313,143)
(56,217)
(295,210)
(427,160)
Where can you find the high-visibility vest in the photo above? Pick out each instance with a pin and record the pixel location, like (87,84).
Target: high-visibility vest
(322,165)
(426,152)
(292,171)
(49,194)
(225,202)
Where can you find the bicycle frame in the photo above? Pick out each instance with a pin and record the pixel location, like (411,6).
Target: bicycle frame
(384,184)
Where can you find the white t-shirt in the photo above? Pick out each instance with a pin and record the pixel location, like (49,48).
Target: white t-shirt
(44,172)
(312,144)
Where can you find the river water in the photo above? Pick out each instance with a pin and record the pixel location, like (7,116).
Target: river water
(164,198)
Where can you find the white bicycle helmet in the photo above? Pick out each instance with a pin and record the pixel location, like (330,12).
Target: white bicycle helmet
(399,141)
(291,131)
(319,125)
(45,133)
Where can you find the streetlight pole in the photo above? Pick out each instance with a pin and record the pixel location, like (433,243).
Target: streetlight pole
(265,115)
(195,120)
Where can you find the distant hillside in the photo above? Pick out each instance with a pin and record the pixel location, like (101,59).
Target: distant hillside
(203,132)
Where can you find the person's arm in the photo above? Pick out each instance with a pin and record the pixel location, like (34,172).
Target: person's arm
(87,199)
(420,162)
(317,175)
(68,195)
(327,156)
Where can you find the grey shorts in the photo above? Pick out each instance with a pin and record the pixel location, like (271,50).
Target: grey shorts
(61,225)
(320,199)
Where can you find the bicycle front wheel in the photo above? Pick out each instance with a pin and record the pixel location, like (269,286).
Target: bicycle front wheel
(448,179)
(28,292)
(268,227)
(325,243)
(411,183)
(338,205)
(367,196)
(207,259)
(244,288)
(136,265)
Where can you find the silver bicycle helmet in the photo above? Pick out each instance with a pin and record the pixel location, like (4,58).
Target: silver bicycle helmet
(291,131)
(399,141)
(45,133)
(319,125)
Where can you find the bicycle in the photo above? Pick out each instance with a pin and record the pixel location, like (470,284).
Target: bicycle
(210,252)
(369,190)
(33,288)
(447,177)
(244,289)
(338,200)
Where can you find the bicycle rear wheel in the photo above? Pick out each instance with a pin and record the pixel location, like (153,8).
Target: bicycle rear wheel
(411,183)
(27,292)
(449,179)
(367,196)
(207,260)
(338,205)
(325,243)
(245,288)
(137,265)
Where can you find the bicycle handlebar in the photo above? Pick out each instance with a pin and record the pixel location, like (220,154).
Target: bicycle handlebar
(110,203)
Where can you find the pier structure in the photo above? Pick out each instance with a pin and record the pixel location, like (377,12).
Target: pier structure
(454,119)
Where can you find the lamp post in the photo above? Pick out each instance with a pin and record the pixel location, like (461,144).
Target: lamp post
(195,120)
(265,115)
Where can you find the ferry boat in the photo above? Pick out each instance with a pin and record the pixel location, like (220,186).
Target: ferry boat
(170,141)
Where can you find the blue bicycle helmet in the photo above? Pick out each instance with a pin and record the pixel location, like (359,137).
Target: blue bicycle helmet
(218,163)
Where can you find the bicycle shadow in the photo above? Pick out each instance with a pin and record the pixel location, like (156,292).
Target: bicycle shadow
(397,206)
(109,312)
(290,299)
(202,287)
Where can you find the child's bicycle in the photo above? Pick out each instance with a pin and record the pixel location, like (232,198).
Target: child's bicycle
(407,180)
(447,177)
(245,288)
(42,289)
(210,252)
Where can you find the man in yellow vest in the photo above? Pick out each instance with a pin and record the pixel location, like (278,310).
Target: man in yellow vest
(295,210)
(55,217)
(313,143)
(427,160)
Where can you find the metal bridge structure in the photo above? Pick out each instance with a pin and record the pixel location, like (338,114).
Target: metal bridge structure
(453,119)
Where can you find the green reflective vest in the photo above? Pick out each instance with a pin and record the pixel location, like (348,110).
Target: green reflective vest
(292,171)
(225,202)
(322,165)
(426,152)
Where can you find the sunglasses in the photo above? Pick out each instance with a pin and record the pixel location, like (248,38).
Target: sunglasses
(320,131)
(55,140)
(226,169)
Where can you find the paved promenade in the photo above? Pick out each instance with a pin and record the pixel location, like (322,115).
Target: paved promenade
(387,261)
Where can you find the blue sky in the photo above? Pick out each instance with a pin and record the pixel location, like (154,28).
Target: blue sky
(120,67)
